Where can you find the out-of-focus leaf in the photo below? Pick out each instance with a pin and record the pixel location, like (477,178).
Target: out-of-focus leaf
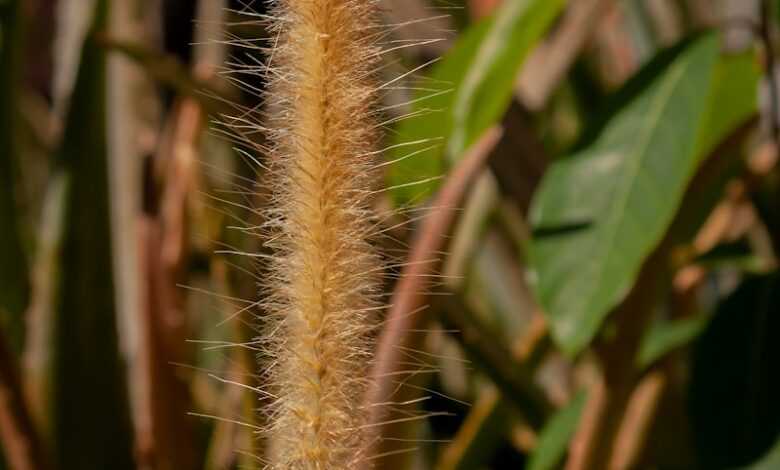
(777,10)
(14,281)
(493,359)
(600,212)
(554,439)
(732,100)
(767,205)
(467,92)
(738,254)
(486,89)
(663,337)
(770,460)
(90,409)
(734,381)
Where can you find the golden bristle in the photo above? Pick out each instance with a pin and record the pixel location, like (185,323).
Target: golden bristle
(323,279)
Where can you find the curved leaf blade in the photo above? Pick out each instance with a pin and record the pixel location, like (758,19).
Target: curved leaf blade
(466,92)
(554,439)
(666,336)
(770,460)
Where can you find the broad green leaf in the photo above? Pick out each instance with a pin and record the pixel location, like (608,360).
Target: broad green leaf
(90,408)
(665,336)
(554,439)
(600,212)
(734,384)
(466,93)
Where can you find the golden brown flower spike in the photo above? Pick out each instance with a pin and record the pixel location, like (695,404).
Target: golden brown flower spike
(323,279)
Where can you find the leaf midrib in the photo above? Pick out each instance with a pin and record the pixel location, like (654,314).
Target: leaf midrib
(659,104)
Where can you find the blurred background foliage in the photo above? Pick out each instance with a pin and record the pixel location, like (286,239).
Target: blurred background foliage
(606,296)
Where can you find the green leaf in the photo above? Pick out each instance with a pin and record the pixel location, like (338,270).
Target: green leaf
(466,93)
(14,281)
(600,212)
(738,254)
(770,460)
(89,398)
(734,384)
(777,10)
(555,437)
(733,98)
(665,336)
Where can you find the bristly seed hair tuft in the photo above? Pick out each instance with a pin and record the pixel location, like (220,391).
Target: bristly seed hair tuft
(322,282)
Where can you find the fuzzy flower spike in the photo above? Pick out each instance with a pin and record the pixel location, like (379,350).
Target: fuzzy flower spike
(323,280)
